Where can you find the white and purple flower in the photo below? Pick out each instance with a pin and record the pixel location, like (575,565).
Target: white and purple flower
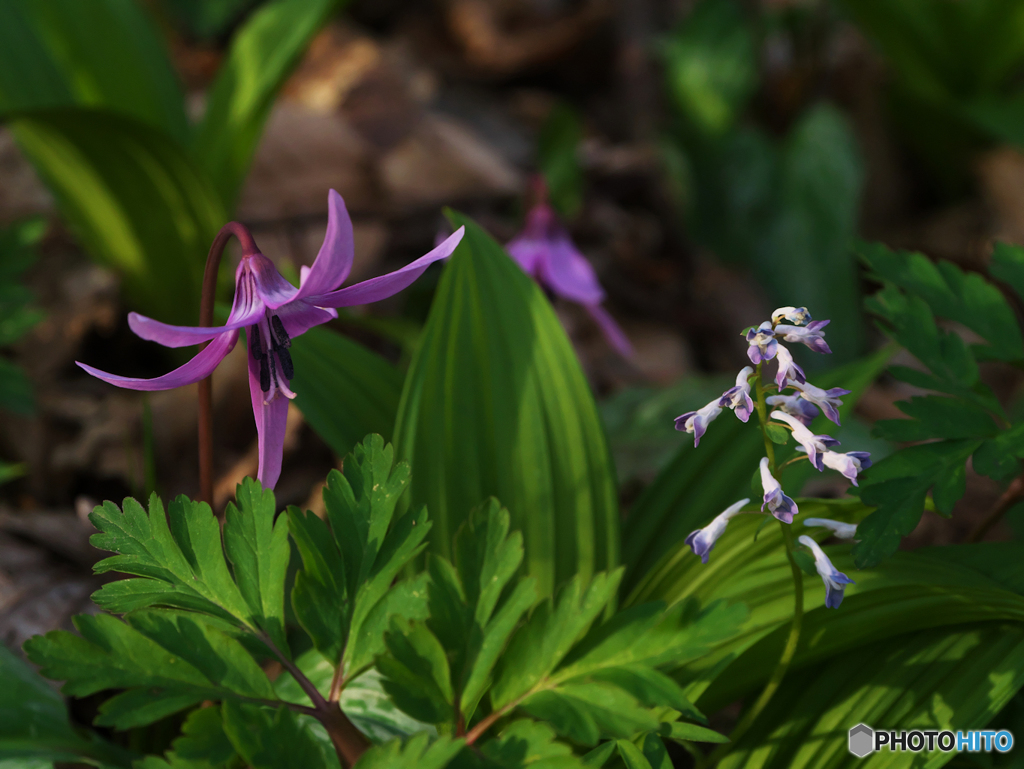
(788,368)
(794,405)
(702,541)
(838,528)
(738,398)
(762,343)
(798,316)
(849,464)
(779,505)
(697,422)
(810,335)
(835,581)
(826,400)
(815,445)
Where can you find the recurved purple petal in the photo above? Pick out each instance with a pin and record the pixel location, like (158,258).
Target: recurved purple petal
(612,331)
(334,260)
(271,286)
(271,420)
(528,253)
(568,273)
(375,289)
(299,317)
(200,367)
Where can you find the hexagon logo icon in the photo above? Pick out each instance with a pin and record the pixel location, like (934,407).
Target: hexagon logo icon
(862,740)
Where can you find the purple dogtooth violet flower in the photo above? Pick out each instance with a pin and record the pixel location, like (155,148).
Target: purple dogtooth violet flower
(697,422)
(779,505)
(810,335)
(702,541)
(826,400)
(738,398)
(835,581)
(788,368)
(547,254)
(273,312)
(795,406)
(839,529)
(848,464)
(798,316)
(762,343)
(814,445)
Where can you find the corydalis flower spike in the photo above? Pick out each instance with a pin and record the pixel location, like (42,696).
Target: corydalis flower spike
(826,400)
(738,398)
(762,343)
(795,406)
(814,445)
(788,368)
(778,504)
(697,422)
(547,254)
(840,529)
(702,541)
(810,335)
(798,316)
(273,312)
(835,581)
(848,464)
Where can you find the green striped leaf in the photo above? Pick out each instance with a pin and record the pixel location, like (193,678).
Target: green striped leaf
(495,404)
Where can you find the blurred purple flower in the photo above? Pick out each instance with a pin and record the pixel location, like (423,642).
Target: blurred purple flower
(779,505)
(794,405)
(814,445)
(849,464)
(273,312)
(763,343)
(546,253)
(810,335)
(835,581)
(702,541)
(826,400)
(738,398)
(697,422)
(788,368)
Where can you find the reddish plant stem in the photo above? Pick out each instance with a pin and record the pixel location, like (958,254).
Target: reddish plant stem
(1014,493)
(206,320)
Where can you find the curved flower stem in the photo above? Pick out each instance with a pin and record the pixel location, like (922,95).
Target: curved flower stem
(793,639)
(241,232)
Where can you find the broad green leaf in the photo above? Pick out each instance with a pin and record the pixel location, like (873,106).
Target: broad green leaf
(557,149)
(262,54)
(344,390)
(106,54)
(599,756)
(259,552)
(166,661)
(631,755)
(136,201)
(34,724)
(777,433)
(711,66)
(271,739)
(420,752)
(495,390)
(953,679)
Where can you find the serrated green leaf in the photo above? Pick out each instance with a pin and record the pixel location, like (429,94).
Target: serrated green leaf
(524,743)
(599,756)
(261,55)
(1007,265)
(344,390)
(271,739)
(549,634)
(585,712)
(1000,457)
(203,738)
(680,730)
(649,687)
(937,417)
(135,200)
(417,753)
(259,552)
(897,487)
(496,391)
(416,673)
